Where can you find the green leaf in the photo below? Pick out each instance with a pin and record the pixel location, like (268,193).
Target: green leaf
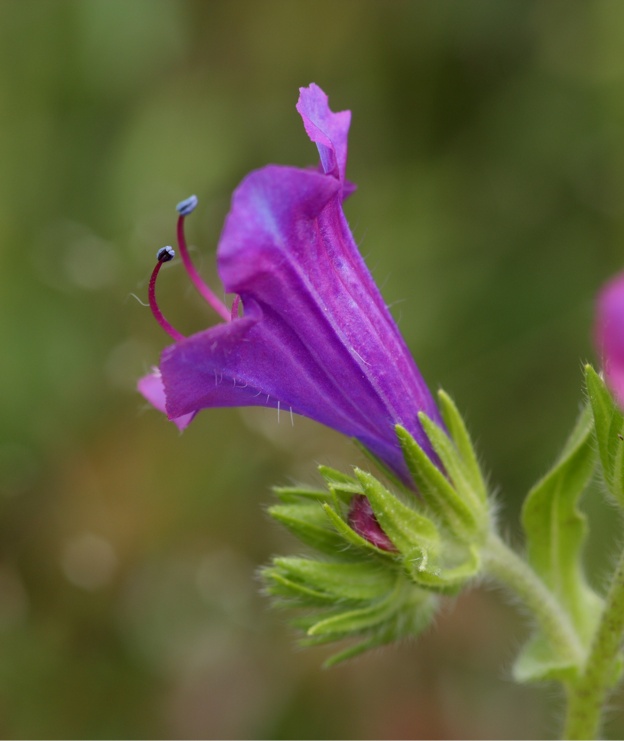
(609,423)
(406,616)
(413,534)
(405,612)
(555,533)
(279,585)
(447,577)
(344,581)
(362,600)
(341,486)
(429,561)
(556,529)
(458,472)
(358,591)
(310,524)
(440,496)
(357,649)
(340,480)
(356,621)
(537,662)
(459,434)
(290,494)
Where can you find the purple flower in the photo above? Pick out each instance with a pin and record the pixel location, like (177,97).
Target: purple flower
(610,335)
(315,336)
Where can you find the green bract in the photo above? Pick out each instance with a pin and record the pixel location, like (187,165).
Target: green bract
(555,533)
(355,589)
(609,422)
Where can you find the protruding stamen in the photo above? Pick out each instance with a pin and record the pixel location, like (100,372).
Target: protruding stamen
(187,206)
(184,208)
(163,255)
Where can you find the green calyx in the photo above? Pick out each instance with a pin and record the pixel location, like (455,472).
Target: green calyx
(354,589)
(455,492)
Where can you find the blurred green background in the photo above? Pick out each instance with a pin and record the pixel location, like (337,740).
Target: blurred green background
(488,148)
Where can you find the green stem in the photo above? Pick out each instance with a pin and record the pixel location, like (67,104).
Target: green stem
(588,695)
(504,565)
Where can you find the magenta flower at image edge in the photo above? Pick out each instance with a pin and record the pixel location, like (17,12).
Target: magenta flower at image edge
(315,337)
(610,335)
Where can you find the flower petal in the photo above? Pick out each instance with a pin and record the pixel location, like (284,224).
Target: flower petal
(151,387)
(362,519)
(610,335)
(316,336)
(328,130)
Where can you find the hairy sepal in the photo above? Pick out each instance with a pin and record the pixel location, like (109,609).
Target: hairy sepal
(352,591)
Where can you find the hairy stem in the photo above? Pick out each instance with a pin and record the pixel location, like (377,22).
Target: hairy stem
(587,697)
(511,571)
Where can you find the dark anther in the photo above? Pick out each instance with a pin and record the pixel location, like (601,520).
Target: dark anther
(165,254)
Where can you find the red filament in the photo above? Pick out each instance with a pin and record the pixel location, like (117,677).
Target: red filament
(206,293)
(164,255)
